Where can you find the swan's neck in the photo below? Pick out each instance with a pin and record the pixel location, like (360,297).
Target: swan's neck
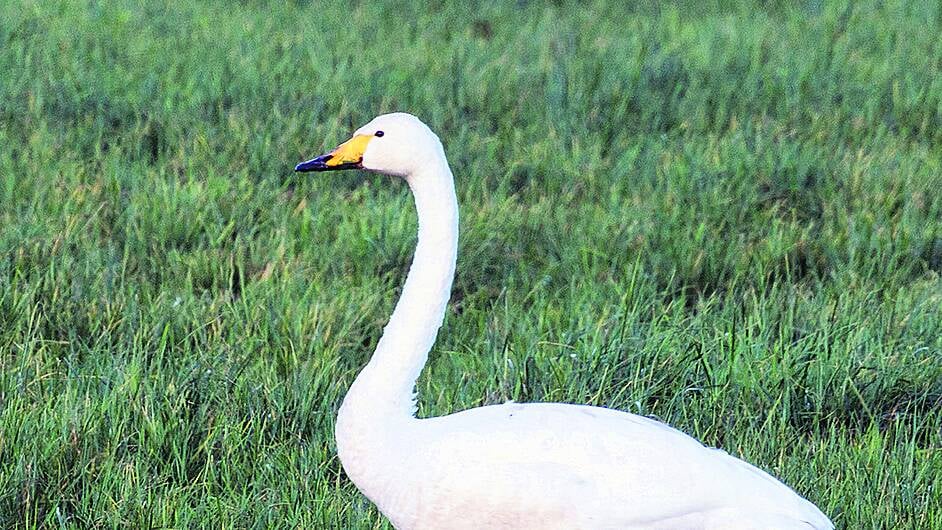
(385,388)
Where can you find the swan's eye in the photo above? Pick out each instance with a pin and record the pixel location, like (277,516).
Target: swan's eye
(379,134)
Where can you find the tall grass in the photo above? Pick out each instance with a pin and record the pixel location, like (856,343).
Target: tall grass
(723,215)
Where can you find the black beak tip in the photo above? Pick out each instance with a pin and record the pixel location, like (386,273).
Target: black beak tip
(315,164)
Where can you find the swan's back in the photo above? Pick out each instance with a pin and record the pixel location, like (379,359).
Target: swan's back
(552,465)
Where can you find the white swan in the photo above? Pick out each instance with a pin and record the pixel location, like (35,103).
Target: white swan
(515,466)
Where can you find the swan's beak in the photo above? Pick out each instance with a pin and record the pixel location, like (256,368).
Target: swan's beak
(348,155)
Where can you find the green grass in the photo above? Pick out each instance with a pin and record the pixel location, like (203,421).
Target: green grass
(727,217)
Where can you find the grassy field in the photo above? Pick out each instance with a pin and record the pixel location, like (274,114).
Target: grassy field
(721,215)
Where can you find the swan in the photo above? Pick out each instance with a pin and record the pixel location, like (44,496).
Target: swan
(516,465)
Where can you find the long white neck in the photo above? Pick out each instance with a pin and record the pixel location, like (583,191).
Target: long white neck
(377,418)
(385,386)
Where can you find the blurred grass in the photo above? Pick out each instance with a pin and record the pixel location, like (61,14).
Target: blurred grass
(723,215)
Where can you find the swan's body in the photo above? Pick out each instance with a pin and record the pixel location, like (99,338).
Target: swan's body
(516,466)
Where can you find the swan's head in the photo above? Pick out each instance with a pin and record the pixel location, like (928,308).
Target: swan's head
(395,144)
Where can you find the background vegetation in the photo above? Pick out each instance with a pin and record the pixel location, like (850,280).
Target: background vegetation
(725,215)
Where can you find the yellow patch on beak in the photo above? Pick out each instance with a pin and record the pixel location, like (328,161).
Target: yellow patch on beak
(349,152)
